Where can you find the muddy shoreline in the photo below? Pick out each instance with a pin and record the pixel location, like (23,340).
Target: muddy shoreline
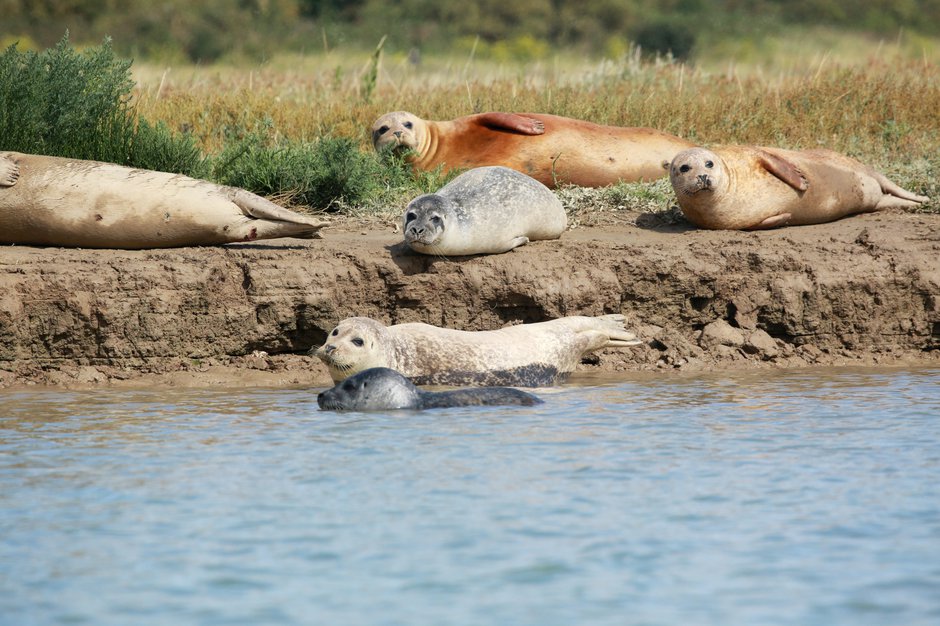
(860,291)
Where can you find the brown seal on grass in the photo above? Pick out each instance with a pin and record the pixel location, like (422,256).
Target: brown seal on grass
(526,355)
(750,187)
(551,149)
(53,201)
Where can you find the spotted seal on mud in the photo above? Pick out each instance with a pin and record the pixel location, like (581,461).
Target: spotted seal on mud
(750,187)
(553,150)
(487,210)
(524,355)
(382,389)
(54,201)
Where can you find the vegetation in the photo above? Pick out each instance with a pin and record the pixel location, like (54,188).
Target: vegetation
(298,127)
(207,31)
(62,103)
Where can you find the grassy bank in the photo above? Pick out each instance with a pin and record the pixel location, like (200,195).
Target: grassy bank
(880,109)
(297,128)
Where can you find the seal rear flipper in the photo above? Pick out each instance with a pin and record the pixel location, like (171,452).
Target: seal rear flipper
(617,336)
(260,208)
(9,172)
(784,170)
(888,187)
(512,122)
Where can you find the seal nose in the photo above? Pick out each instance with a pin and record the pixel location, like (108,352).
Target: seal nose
(329,348)
(397,134)
(415,231)
(703,178)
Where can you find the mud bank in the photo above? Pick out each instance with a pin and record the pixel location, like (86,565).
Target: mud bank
(863,290)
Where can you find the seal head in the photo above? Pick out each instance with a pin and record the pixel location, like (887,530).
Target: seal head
(374,389)
(399,131)
(355,344)
(426,219)
(695,171)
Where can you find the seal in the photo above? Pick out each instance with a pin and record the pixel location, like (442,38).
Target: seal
(751,187)
(553,150)
(524,355)
(384,389)
(487,210)
(54,201)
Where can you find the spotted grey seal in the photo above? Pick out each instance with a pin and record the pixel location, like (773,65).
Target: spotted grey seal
(750,187)
(487,210)
(524,355)
(553,150)
(54,201)
(382,389)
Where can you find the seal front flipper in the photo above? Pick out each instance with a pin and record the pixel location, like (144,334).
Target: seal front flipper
(9,172)
(772,222)
(784,170)
(515,242)
(512,122)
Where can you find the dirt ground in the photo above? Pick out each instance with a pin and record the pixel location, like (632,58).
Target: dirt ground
(860,291)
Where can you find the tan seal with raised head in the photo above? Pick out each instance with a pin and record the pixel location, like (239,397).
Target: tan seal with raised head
(750,187)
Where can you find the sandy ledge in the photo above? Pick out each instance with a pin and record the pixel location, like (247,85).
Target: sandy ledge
(861,291)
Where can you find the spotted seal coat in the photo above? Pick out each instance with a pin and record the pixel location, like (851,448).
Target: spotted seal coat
(487,210)
(524,355)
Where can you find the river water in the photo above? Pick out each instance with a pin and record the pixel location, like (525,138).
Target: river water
(793,497)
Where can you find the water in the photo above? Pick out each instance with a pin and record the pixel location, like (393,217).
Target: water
(806,497)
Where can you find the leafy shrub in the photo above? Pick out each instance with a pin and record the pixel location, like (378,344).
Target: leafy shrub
(59,102)
(317,174)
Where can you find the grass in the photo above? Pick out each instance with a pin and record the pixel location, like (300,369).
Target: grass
(879,108)
(297,128)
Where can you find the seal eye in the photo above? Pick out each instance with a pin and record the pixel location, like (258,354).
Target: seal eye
(709,164)
(335,332)
(436,220)
(408,125)
(383,130)
(358,342)
(685,168)
(410,217)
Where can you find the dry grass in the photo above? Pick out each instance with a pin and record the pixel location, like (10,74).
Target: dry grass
(881,109)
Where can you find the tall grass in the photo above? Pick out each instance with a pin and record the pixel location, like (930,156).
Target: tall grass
(882,111)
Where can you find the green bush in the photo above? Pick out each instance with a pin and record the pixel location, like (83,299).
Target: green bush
(60,102)
(317,174)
